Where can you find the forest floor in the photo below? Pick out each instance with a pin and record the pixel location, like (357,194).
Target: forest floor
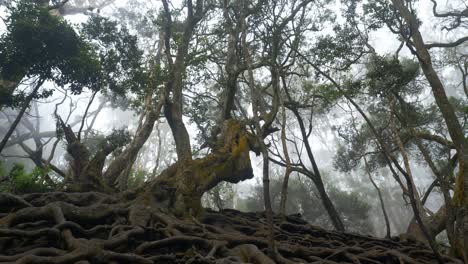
(92,227)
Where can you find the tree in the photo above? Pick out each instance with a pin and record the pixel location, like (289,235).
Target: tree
(277,55)
(47,50)
(404,22)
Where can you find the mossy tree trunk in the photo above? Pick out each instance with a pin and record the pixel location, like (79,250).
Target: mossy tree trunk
(179,188)
(85,169)
(460,197)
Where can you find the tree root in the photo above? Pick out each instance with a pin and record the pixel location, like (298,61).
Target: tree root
(97,228)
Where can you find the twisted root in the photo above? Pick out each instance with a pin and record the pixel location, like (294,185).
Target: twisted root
(97,228)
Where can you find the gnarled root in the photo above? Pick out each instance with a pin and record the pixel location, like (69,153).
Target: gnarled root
(98,228)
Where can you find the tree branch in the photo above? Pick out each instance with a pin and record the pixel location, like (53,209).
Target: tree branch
(447,45)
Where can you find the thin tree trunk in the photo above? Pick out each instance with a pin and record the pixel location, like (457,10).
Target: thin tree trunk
(118,171)
(86,113)
(91,125)
(173,109)
(379,193)
(444,186)
(266,180)
(382,204)
(20,114)
(418,208)
(455,130)
(128,156)
(389,158)
(158,154)
(284,188)
(328,204)
(317,178)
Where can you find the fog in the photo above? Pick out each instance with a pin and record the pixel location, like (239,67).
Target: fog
(105,116)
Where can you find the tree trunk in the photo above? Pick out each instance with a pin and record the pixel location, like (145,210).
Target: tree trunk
(180,187)
(317,178)
(328,204)
(129,155)
(287,173)
(80,179)
(382,204)
(20,114)
(256,97)
(453,125)
(445,188)
(173,108)
(418,207)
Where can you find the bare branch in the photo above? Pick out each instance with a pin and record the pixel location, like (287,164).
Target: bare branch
(448,44)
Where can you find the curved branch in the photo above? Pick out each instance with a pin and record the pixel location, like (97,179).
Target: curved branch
(454,44)
(463,13)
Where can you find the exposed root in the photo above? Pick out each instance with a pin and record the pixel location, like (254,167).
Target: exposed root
(97,228)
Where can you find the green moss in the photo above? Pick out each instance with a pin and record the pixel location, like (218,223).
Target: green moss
(241,147)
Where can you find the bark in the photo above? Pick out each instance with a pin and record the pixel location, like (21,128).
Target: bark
(418,208)
(80,157)
(180,187)
(86,170)
(88,227)
(453,125)
(445,188)
(435,225)
(26,105)
(129,155)
(255,97)
(173,108)
(83,120)
(317,178)
(287,173)
(232,61)
(158,154)
(118,172)
(382,204)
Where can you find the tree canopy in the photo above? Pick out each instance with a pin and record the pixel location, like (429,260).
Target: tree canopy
(123,120)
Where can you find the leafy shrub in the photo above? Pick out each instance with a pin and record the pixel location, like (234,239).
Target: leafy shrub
(19,181)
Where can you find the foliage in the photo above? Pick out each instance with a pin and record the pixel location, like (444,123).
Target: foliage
(339,49)
(136,178)
(303,199)
(390,86)
(306,52)
(104,57)
(39,44)
(220,197)
(390,76)
(20,181)
(120,57)
(116,140)
(322,96)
